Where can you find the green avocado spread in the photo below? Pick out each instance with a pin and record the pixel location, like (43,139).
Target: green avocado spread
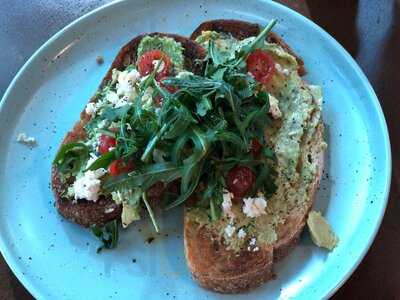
(168,45)
(292,136)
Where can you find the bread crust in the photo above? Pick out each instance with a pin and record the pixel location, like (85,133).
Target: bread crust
(87,213)
(241,30)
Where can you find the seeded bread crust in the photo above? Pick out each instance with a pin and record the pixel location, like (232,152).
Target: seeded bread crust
(225,271)
(87,213)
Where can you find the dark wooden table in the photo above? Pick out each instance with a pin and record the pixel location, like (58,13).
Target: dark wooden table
(368,29)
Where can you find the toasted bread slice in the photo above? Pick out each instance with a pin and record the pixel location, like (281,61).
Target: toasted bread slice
(89,213)
(211,263)
(241,30)
(225,271)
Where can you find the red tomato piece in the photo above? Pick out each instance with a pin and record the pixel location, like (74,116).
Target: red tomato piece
(255,146)
(106,142)
(120,166)
(261,65)
(240,180)
(146,66)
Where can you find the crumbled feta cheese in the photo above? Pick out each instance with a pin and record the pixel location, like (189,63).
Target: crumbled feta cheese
(229,230)
(126,83)
(103,124)
(254,207)
(128,126)
(227,204)
(256,249)
(253,241)
(282,70)
(241,233)
(88,186)
(112,97)
(274,107)
(26,140)
(160,67)
(91,109)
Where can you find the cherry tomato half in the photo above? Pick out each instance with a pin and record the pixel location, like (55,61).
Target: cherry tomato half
(146,66)
(120,166)
(240,180)
(261,65)
(106,142)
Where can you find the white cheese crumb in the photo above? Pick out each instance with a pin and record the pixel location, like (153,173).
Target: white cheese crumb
(91,109)
(126,83)
(229,230)
(112,97)
(103,124)
(26,140)
(282,70)
(253,241)
(88,186)
(241,233)
(256,249)
(227,204)
(254,207)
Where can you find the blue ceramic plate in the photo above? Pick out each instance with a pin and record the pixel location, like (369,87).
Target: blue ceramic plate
(56,259)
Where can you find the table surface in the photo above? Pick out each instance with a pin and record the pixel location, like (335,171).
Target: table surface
(369,30)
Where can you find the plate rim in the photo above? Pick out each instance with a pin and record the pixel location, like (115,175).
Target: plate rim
(35,292)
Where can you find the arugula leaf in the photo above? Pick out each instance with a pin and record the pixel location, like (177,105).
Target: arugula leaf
(103,161)
(203,106)
(71,158)
(107,234)
(110,114)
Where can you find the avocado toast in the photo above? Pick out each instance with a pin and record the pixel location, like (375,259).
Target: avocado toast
(259,227)
(99,144)
(222,123)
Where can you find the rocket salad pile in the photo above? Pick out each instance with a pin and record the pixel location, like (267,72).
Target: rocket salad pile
(160,135)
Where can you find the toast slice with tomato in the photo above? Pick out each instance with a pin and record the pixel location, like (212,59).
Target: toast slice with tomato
(104,209)
(241,30)
(211,255)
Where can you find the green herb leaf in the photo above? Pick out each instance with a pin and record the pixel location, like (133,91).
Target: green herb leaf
(107,234)
(103,161)
(71,158)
